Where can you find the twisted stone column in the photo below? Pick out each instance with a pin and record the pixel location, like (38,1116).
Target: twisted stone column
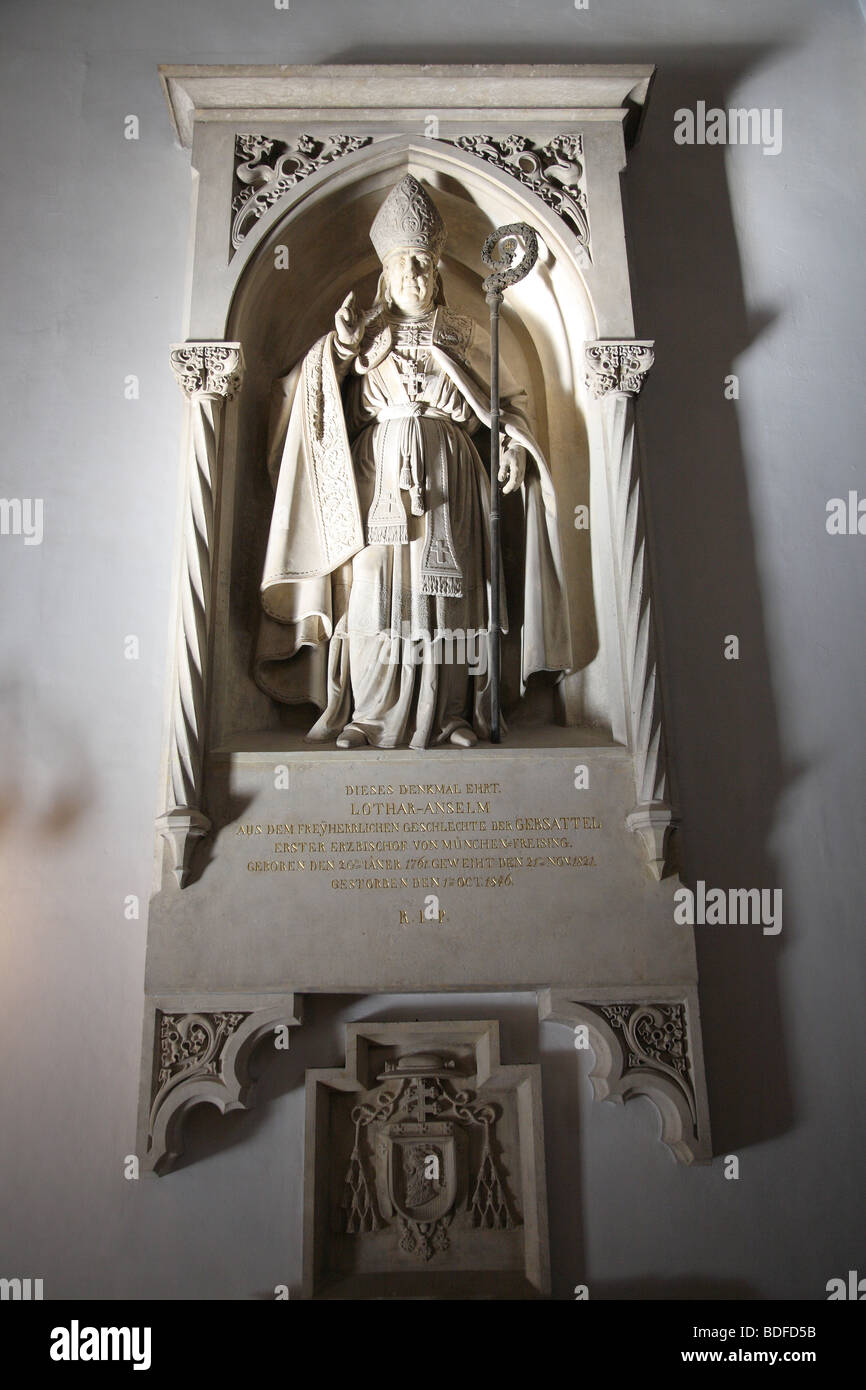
(209,374)
(615,373)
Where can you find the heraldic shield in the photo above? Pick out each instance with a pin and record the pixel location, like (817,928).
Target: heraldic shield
(419,1169)
(417,1129)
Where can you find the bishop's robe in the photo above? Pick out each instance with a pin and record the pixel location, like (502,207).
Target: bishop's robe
(376,584)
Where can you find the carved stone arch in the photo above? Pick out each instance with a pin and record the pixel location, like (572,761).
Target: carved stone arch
(644,1043)
(323,222)
(201,1051)
(502,194)
(583,418)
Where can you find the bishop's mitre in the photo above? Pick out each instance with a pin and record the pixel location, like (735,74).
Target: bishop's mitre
(408,220)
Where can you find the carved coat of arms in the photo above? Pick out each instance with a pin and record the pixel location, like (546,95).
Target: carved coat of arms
(410,1159)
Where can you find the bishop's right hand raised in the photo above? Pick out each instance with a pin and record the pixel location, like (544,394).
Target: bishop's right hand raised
(349,323)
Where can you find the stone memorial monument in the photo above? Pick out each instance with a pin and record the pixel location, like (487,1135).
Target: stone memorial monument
(337,814)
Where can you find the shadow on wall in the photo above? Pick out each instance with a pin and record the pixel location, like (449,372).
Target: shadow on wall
(46,777)
(721,715)
(721,722)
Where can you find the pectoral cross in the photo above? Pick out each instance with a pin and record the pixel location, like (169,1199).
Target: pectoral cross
(413,375)
(411,357)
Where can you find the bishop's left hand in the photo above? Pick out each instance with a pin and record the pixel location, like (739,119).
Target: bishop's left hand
(512,466)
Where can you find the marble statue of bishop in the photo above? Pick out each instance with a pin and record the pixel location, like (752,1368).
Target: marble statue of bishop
(377,573)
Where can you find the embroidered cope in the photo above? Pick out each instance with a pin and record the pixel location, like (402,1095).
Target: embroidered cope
(376,585)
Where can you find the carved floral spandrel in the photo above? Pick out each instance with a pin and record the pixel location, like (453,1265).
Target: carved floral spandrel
(555,173)
(266,170)
(648,1047)
(655,1036)
(201,1055)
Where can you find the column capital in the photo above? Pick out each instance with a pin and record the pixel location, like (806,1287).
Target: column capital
(208,368)
(617,366)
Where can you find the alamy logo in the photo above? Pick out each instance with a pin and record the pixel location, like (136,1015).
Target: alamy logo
(22,516)
(739,126)
(444,647)
(20,1290)
(75,1343)
(854,1289)
(846,519)
(736,907)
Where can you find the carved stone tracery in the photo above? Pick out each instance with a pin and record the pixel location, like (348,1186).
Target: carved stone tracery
(191,1043)
(268,169)
(656,1037)
(201,1055)
(555,173)
(645,1048)
(265,170)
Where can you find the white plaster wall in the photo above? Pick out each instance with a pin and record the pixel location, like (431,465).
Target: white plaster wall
(743,263)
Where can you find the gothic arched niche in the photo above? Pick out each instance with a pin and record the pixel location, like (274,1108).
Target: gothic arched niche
(289,277)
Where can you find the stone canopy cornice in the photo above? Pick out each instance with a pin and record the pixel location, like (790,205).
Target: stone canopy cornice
(380,92)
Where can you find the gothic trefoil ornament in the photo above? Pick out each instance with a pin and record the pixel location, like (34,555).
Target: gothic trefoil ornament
(191,1043)
(189,1046)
